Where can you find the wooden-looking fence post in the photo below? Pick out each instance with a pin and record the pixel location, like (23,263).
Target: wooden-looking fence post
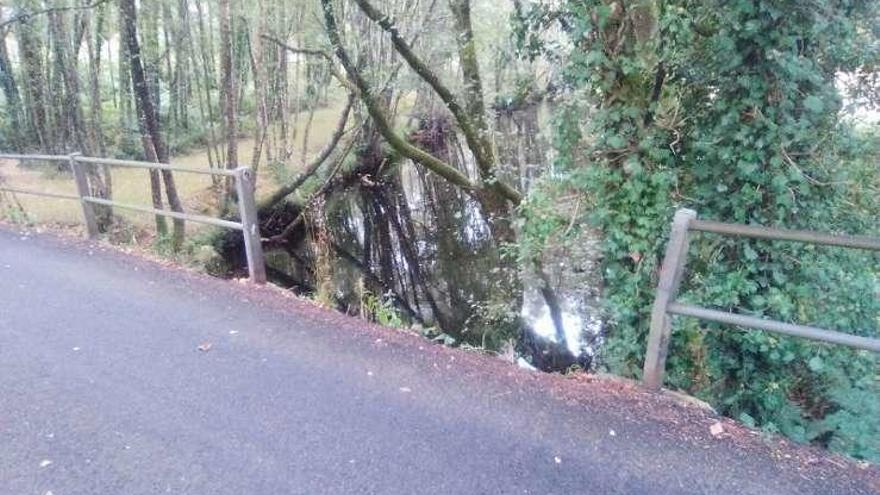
(82,189)
(667,288)
(245,186)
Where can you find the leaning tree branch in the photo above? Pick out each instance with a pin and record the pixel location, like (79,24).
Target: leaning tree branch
(326,186)
(464,120)
(313,167)
(480,147)
(377,113)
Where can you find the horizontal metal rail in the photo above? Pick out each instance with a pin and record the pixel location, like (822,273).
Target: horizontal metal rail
(120,163)
(245,186)
(166,213)
(155,166)
(44,158)
(672,271)
(757,232)
(38,193)
(802,331)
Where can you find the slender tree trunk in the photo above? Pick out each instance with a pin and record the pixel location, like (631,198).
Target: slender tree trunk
(94,42)
(228,94)
(101,185)
(183,40)
(125,92)
(151,55)
(71,112)
(12,96)
(259,70)
(31,49)
(148,121)
(172,83)
(206,51)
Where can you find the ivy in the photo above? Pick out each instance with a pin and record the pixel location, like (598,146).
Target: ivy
(732,108)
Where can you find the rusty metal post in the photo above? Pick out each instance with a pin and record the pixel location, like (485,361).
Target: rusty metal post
(670,280)
(247,206)
(82,189)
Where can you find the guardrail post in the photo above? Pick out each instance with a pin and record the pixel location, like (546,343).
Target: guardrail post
(82,188)
(670,280)
(247,207)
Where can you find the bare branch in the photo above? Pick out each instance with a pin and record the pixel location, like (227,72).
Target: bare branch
(299,51)
(24,16)
(315,53)
(326,186)
(290,188)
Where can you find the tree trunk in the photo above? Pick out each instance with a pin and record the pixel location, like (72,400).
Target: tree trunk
(13,98)
(183,41)
(71,111)
(101,185)
(206,50)
(31,50)
(228,95)
(124,87)
(259,70)
(148,122)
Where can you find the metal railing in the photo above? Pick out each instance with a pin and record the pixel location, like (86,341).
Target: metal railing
(244,184)
(672,272)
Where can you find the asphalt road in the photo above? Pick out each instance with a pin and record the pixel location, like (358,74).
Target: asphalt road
(103,390)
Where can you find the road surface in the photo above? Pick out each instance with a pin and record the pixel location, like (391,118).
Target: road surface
(120,376)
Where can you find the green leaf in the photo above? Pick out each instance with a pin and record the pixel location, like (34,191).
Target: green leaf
(814,104)
(747,420)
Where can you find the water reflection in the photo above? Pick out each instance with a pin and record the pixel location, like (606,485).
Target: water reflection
(582,327)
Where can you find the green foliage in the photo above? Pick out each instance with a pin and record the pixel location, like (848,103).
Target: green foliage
(731,108)
(281,173)
(15,214)
(201,251)
(381,310)
(163,245)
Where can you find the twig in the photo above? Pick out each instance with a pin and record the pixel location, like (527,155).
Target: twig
(26,15)
(325,153)
(809,178)
(315,53)
(299,218)
(577,207)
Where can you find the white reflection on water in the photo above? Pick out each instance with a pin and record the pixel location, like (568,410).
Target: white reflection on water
(579,321)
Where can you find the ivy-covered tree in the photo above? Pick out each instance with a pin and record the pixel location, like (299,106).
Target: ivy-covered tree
(733,109)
